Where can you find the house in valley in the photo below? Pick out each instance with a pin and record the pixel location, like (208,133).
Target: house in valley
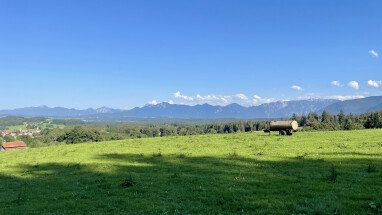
(13,145)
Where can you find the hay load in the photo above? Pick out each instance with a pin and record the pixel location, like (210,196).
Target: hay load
(283,127)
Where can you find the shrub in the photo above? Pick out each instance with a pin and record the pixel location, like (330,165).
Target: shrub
(80,134)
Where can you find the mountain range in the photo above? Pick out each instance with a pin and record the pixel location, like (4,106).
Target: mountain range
(57,112)
(280,109)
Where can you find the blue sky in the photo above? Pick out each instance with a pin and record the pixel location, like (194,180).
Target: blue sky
(128,53)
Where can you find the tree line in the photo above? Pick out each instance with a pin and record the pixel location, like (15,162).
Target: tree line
(340,121)
(105,132)
(96,132)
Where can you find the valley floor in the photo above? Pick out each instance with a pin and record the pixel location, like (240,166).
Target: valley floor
(250,173)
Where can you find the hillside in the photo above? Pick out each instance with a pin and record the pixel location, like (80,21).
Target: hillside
(250,173)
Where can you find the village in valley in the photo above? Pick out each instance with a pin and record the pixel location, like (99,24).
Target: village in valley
(16,144)
(12,136)
(19,132)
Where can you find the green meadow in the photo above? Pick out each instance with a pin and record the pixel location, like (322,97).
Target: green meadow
(244,173)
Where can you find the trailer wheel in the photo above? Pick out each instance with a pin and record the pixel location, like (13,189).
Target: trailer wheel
(289,133)
(282,132)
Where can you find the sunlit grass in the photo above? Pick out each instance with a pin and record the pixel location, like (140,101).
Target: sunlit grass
(251,173)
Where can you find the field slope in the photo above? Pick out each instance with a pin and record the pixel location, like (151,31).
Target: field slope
(250,173)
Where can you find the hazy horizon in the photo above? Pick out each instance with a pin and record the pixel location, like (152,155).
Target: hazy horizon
(206,103)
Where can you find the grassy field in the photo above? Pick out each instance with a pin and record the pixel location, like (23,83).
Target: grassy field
(249,173)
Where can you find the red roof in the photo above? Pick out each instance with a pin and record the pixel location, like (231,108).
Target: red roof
(15,144)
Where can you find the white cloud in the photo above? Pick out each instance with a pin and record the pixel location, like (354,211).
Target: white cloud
(342,98)
(179,95)
(241,96)
(337,97)
(242,99)
(217,99)
(353,85)
(295,87)
(375,84)
(309,96)
(373,53)
(257,100)
(153,102)
(238,98)
(171,102)
(223,100)
(336,84)
(211,99)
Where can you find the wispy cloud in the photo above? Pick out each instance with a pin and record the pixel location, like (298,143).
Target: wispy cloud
(244,100)
(373,53)
(375,84)
(241,96)
(353,85)
(213,99)
(342,98)
(257,100)
(336,84)
(153,102)
(337,97)
(296,87)
(179,95)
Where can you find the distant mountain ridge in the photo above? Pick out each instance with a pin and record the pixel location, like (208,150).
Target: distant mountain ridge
(280,109)
(356,106)
(56,111)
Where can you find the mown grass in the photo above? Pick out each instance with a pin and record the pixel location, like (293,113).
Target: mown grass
(247,173)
